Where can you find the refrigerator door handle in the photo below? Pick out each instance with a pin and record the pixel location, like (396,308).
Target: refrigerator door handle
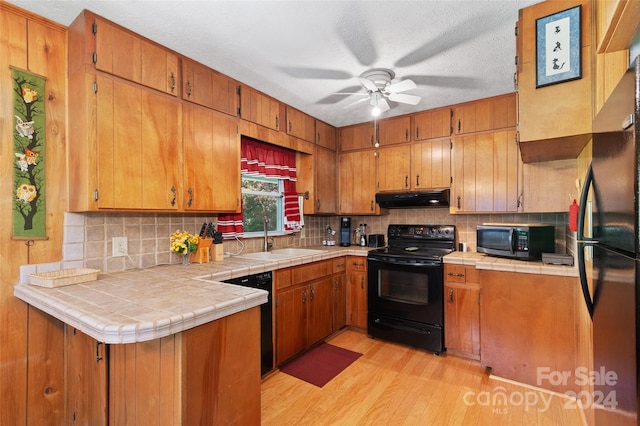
(584,242)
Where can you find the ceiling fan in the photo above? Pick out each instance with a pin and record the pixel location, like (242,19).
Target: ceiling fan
(377,82)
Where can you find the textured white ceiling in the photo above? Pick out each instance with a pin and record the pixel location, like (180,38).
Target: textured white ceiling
(303,52)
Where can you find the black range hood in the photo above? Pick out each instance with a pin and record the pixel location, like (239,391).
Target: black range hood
(429,198)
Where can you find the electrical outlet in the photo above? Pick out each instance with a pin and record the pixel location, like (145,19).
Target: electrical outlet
(119,246)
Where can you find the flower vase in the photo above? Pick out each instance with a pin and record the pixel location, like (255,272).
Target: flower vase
(186,259)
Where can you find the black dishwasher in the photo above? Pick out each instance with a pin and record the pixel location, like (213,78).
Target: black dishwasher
(262,281)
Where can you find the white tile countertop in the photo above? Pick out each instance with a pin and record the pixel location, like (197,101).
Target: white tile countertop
(482,261)
(146,304)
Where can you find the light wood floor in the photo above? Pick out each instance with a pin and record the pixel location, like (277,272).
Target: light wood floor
(396,385)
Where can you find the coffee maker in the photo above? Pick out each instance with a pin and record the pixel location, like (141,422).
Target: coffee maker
(345,231)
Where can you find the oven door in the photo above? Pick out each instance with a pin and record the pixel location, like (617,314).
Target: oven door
(406,290)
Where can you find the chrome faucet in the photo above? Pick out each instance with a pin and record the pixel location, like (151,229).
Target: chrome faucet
(267,244)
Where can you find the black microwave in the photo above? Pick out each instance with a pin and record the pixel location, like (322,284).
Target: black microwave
(516,241)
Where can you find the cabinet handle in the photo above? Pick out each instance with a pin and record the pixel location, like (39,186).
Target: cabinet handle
(189,88)
(362,283)
(406,181)
(417,132)
(98,357)
(304,296)
(458,202)
(451,274)
(450,295)
(173,200)
(340,265)
(371,140)
(313,293)
(173,82)
(190,192)
(277,123)
(406,135)
(289,127)
(417,180)
(371,205)
(358,264)
(459,125)
(318,141)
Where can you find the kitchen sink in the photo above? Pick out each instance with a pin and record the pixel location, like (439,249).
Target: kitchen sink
(280,254)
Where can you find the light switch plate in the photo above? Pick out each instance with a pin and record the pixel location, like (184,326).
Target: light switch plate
(119,246)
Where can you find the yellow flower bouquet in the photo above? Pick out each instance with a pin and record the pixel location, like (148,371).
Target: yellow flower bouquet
(184,243)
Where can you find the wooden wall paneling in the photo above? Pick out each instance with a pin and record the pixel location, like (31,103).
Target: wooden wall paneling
(13,312)
(31,43)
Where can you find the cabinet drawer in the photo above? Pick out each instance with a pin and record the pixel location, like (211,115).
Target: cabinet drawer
(461,274)
(357,263)
(339,264)
(282,278)
(312,271)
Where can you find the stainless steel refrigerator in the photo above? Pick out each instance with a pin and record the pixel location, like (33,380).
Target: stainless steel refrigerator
(612,238)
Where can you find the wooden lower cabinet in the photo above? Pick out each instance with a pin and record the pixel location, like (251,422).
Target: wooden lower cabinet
(339,287)
(357,291)
(462,311)
(303,317)
(206,375)
(530,322)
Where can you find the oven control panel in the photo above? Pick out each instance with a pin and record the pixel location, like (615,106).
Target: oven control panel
(422,232)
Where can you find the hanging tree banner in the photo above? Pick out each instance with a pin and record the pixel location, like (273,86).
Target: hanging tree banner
(29,155)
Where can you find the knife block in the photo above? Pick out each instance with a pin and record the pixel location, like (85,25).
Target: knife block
(202,254)
(218,252)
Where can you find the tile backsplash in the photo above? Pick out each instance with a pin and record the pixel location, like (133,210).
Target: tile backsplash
(87,236)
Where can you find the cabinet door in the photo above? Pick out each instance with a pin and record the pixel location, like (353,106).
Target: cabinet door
(339,308)
(320,302)
(119,144)
(87,383)
(209,88)
(325,181)
(326,135)
(212,161)
(394,168)
(462,316)
(357,183)
(259,108)
(291,322)
(161,157)
(432,124)
(394,130)
(117,51)
(357,292)
(485,173)
(356,137)
(159,68)
(431,164)
(300,125)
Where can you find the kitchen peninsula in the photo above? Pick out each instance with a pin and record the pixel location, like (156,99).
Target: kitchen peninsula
(159,345)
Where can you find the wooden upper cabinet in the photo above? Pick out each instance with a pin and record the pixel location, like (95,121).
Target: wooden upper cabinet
(485,173)
(431,124)
(259,108)
(617,24)
(301,125)
(122,53)
(204,86)
(325,135)
(431,164)
(357,183)
(359,136)
(212,161)
(394,130)
(394,168)
(486,114)
(555,120)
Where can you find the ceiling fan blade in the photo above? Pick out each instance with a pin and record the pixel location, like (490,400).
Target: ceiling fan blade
(404,98)
(401,86)
(454,36)
(445,81)
(359,101)
(316,73)
(334,98)
(353,30)
(368,84)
